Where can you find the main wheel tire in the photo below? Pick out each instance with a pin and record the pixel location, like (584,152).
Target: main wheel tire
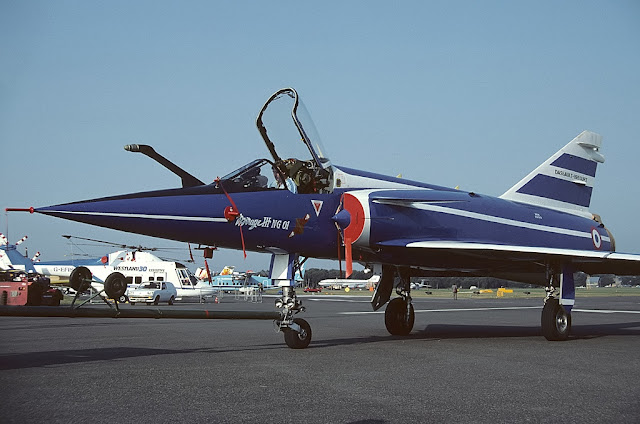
(80,279)
(171,299)
(115,285)
(156,300)
(396,319)
(296,340)
(555,321)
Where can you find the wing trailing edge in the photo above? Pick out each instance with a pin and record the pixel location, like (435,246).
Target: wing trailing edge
(590,262)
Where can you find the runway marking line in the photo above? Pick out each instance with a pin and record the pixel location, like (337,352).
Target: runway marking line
(506,308)
(449,310)
(605,311)
(332,299)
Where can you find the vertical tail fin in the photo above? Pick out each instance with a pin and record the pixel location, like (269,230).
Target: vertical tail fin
(565,180)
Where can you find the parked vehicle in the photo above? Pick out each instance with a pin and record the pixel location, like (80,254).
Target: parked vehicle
(29,289)
(152,292)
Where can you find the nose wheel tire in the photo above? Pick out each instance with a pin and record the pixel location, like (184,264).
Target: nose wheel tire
(555,322)
(298,340)
(397,318)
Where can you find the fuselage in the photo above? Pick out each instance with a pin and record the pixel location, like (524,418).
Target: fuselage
(272,219)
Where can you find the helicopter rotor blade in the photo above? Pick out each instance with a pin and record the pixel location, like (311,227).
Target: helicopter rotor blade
(138,248)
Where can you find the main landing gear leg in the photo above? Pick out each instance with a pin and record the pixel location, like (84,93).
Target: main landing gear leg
(399,315)
(297,331)
(556,314)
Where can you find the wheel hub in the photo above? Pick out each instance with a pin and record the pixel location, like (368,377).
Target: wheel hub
(561,321)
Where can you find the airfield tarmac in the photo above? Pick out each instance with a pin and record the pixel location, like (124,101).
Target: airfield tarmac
(470,360)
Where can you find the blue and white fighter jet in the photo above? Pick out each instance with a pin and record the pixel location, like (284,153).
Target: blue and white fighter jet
(296,203)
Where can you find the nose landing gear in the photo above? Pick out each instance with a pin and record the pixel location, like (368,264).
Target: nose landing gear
(298,334)
(297,331)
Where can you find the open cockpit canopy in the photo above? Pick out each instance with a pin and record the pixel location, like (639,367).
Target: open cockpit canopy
(288,131)
(291,137)
(299,161)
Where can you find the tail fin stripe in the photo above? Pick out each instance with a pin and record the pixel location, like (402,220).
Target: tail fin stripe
(577,164)
(565,181)
(557,189)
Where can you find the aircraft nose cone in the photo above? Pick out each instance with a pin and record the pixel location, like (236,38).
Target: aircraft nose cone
(342,218)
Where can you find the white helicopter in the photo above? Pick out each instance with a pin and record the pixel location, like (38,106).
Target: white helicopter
(10,258)
(132,265)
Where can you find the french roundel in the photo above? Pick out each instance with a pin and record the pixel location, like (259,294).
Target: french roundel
(596,238)
(355,209)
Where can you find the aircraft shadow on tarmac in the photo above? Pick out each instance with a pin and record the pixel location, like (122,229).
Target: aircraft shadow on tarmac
(448,331)
(454,331)
(430,332)
(67,357)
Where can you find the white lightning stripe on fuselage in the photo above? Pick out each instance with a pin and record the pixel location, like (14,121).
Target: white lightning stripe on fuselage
(145,216)
(447,244)
(504,221)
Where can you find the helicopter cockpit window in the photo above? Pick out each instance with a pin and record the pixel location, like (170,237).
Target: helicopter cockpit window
(184,277)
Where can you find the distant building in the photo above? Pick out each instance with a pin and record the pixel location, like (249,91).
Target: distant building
(593,282)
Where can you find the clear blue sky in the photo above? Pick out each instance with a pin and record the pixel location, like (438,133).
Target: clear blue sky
(465,93)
